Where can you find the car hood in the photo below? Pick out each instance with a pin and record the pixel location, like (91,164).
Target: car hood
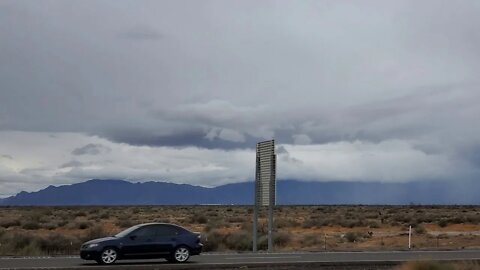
(100,240)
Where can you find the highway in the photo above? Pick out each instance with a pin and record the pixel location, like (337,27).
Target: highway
(224,261)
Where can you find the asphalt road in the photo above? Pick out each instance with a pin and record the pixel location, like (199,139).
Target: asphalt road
(209,261)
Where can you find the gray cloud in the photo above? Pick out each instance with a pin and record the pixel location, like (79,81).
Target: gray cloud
(220,75)
(34,172)
(7,157)
(71,164)
(224,66)
(285,156)
(281,150)
(184,138)
(142,33)
(91,149)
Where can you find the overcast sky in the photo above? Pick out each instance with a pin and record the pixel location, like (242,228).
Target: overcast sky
(181,91)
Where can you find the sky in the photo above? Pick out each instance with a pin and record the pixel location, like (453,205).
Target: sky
(181,91)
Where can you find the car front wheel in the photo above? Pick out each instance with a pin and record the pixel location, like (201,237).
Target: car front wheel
(180,255)
(108,256)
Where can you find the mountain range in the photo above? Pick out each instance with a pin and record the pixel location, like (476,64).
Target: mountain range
(120,192)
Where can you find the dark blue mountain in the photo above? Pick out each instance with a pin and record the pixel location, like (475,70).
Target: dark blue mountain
(119,192)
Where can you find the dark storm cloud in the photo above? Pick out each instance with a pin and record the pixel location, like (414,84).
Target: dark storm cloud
(218,74)
(7,157)
(91,149)
(471,153)
(180,139)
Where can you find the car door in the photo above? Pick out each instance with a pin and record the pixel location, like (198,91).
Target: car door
(167,238)
(141,242)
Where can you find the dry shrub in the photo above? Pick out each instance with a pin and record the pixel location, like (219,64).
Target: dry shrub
(50,226)
(286,223)
(214,224)
(7,223)
(62,223)
(311,239)
(124,223)
(94,211)
(104,215)
(351,236)
(213,241)
(212,214)
(262,242)
(313,222)
(56,243)
(424,265)
(31,245)
(419,229)
(80,214)
(236,219)
(83,225)
(19,244)
(95,232)
(373,224)
(31,225)
(248,226)
(351,223)
(281,239)
(198,219)
(239,241)
(163,220)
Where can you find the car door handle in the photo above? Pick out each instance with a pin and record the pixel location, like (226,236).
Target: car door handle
(149,240)
(174,239)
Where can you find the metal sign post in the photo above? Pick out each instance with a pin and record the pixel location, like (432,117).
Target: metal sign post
(265,188)
(255,208)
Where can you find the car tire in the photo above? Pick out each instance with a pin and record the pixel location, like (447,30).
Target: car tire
(108,256)
(180,255)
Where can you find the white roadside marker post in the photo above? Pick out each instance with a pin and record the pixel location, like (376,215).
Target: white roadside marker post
(410,237)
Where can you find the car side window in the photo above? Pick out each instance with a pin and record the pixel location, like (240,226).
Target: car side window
(147,231)
(166,230)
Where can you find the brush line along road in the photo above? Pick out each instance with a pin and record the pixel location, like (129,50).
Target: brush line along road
(225,260)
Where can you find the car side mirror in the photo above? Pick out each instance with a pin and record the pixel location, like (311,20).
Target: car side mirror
(133,237)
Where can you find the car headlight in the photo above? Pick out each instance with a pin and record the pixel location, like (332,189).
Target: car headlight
(92,245)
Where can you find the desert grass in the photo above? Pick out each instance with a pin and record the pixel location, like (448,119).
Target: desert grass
(427,265)
(61,230)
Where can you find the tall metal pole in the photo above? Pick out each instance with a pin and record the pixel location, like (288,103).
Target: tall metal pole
(271,204)
(270,225)
(255,218)
(255,208)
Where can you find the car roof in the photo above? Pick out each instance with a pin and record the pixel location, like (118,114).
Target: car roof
(155,223)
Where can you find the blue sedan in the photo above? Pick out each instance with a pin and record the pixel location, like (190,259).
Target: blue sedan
(144,241)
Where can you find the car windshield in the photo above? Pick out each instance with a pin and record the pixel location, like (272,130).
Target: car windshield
(126,231)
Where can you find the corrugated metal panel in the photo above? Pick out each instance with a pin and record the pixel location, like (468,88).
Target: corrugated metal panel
(265,178)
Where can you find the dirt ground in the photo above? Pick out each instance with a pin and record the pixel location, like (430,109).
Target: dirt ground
(297,228)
